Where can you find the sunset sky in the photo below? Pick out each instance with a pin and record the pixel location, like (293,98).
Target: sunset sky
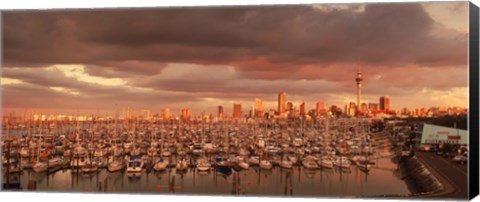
(87,60)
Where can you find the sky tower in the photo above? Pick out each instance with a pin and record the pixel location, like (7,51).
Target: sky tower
(359,89)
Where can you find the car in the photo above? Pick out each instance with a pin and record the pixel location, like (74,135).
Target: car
(460,159)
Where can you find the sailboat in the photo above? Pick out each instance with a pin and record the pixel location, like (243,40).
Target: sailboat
(135,165)
(182,164)
(160,165)
(203,164)
(79,157)
(309,163)
(242,163)
(115,165)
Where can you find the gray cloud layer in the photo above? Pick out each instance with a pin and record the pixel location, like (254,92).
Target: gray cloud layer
(252,51)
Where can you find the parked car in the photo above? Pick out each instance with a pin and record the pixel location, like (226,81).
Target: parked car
(460,159)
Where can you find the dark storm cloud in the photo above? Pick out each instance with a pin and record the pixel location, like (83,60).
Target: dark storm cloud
(260,39)
(177,56)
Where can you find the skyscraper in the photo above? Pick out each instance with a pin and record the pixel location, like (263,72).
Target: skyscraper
(166,113)
(373,106)
(237,110)
(364,107)
(282,99)
(258,108)
(352,109)
(333,110)
(385,103)
(302,108)
(186,114)
(221,114)
(321,108)
(359,89)
(289,107)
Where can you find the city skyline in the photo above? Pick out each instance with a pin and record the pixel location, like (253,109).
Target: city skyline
(238,54)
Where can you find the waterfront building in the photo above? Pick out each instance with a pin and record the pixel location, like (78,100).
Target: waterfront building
(438,135)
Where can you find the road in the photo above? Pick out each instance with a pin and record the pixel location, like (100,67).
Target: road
(453,176)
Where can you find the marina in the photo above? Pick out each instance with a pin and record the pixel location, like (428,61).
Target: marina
(325,157)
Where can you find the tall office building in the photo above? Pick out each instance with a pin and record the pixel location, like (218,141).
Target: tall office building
(289,106)
(373,106)
(352,109)
(237,110)
(186,114)
(221,114)
(333,110)
(321,108)
(364,107)
(258,108)
(282,99)
(385,103)
(166,113)
(302,109)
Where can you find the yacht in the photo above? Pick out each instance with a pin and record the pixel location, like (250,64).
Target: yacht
(286,164)
(160,165)
(310,163)
(89,168)
(266,165)
(134,166)
(115,166)
(182,164)
(203,164)
(242,163)
(326,163)
(342,162)
(254,160)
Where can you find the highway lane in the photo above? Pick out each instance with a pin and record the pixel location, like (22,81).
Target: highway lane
(451,172)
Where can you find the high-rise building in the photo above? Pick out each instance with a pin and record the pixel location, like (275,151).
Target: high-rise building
(333,110)
(237,110)
(282,99)
(352,109)
(166,113)
(364,107)
(373,106)
(302,109)
(385,103)
(251,113)
(321,108)
(359,89)
(186,114)
(221,114)
(289,106)
(258,108)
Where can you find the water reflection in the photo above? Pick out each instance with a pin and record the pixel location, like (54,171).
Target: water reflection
(254,181)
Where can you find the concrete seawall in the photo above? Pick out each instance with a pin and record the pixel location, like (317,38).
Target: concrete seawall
(425,182)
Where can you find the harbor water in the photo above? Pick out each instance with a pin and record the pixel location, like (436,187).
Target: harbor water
(384,180)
